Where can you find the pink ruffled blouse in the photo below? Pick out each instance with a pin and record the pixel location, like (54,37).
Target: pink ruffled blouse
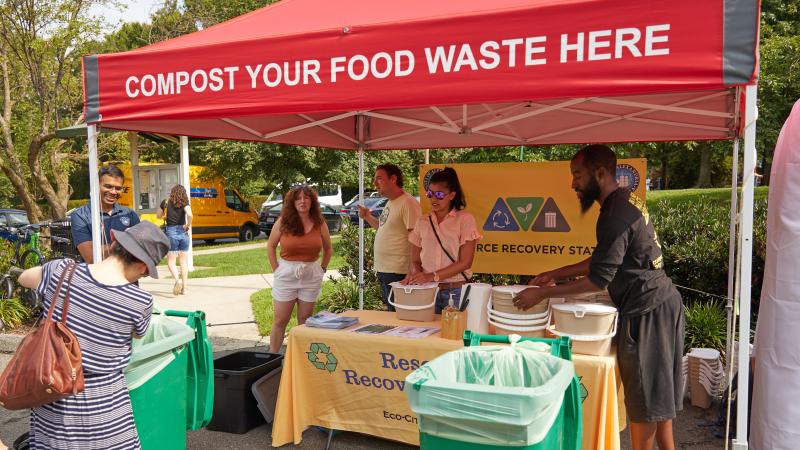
(457,228)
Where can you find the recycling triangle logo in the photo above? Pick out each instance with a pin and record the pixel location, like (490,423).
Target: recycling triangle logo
(550,219)
(320,356)
(525,209)
(500,218)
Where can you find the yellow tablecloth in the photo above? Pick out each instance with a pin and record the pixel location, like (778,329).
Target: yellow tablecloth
(352,381)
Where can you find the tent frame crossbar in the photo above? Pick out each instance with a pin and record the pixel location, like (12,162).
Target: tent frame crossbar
(499,117)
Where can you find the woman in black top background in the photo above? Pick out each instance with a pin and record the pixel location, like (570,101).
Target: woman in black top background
(178,222)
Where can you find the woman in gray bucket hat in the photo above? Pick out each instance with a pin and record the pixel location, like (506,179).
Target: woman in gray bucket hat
(107,310)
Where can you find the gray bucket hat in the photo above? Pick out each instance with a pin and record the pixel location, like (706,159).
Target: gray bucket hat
(146,242)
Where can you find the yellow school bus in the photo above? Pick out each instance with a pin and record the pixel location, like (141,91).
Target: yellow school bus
(219,211)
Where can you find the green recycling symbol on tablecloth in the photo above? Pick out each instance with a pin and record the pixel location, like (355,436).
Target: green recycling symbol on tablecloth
(584,391)
(321,357)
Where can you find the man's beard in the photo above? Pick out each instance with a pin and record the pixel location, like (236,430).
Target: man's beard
(589,195)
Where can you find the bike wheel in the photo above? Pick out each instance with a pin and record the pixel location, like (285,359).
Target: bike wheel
(31,258)
(6,287)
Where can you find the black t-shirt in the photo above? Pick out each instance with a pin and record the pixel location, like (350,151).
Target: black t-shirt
(628,259)
(175,216)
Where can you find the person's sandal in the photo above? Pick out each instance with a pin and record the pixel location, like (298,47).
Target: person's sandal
(178,288)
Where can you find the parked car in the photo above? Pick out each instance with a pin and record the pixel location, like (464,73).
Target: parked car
(375,204)
(269,216)
(328,194)
(11,218)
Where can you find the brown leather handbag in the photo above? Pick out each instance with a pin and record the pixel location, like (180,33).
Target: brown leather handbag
(47,364)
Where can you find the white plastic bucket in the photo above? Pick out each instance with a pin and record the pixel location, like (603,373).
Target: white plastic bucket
(504,328)
(588,345)
(415,302)
(503,296)
(584,319)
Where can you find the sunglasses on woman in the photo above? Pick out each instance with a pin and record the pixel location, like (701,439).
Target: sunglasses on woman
(438,195)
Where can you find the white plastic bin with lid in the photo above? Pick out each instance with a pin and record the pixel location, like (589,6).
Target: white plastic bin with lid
(416,302)
(507,319)
(584,319)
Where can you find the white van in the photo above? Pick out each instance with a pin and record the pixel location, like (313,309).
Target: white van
(328,193)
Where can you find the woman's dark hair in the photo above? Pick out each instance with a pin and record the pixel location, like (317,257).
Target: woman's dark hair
(290,218)
(178,197)
(449,178)
(120,252)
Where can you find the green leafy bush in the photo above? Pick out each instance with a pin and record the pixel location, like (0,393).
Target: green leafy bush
(13,313)
(706,325)
(343,295)
(348,246)
(694,239)
(6,254)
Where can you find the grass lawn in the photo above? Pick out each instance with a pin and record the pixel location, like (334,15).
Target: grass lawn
(263,312)
(674,196)
(247,262)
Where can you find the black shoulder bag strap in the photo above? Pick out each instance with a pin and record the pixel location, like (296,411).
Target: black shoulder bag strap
(430,218)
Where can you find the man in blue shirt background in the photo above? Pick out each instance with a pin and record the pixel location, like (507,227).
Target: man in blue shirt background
(114,216)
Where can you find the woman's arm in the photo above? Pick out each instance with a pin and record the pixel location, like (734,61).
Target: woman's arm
(327,248)
(31,278)
(189,217)
(272,244)
(415,264)
(160,210)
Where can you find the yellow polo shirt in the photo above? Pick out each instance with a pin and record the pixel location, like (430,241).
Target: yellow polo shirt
(391,240)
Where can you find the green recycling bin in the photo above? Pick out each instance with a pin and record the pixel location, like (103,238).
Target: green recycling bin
(170,380)
(519,397)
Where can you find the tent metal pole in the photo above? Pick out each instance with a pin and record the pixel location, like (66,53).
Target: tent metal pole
(94,195)
(361,138)
(186,182)
(746,252)
(732,253)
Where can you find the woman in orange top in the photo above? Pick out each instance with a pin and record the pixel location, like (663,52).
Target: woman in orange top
(302,233)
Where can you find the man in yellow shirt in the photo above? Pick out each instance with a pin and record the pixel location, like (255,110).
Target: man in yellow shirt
(399,216)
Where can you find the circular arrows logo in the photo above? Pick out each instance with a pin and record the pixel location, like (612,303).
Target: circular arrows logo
(320,356)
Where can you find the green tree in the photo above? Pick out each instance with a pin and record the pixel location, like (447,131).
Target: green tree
(40,47)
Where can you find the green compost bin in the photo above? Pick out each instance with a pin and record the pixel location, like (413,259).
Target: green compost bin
(498,398)
(170,380)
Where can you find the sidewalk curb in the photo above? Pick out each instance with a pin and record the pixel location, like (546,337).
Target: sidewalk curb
(9,342)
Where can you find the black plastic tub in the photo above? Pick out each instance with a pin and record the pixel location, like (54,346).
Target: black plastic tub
(235,407)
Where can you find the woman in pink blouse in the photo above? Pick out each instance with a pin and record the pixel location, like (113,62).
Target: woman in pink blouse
(443,241)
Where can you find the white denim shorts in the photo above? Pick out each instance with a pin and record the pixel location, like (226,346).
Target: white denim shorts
(297,280)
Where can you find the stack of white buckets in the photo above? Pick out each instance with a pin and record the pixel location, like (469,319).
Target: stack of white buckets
(705,376)
(589,321)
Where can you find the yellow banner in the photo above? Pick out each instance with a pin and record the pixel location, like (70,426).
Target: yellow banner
(529,215)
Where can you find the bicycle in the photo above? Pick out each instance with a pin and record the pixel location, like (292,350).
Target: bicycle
(27,254)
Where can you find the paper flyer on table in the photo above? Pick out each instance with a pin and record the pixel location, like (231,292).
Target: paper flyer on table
(375,328)
(412,332)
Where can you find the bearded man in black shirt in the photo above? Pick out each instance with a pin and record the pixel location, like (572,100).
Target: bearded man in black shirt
(628,262)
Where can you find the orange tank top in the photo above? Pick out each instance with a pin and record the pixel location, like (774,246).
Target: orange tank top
(305,248)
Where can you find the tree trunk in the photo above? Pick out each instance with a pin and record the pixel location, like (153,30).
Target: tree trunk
(664,184)
(704,177)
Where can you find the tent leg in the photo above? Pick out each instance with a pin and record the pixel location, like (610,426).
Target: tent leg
(94,195)
(732,253)
(361,229)
(746,252)
(187,185)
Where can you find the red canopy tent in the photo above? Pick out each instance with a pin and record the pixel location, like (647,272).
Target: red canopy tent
(367,76)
